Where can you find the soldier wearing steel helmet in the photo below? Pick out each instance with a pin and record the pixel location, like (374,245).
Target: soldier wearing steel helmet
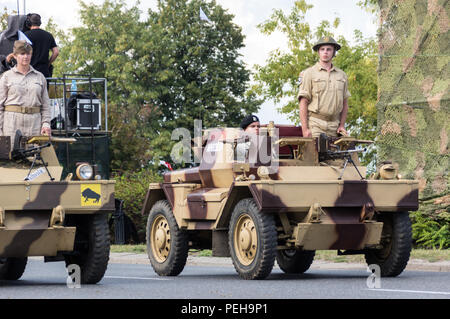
(323,93)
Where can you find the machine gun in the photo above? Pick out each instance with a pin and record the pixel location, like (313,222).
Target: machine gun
(35,152)
(24,153)
(20,152)
(326,154)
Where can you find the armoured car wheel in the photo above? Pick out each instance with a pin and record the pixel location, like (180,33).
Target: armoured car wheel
(293,261)
(167,245)
(12,268)
(252,239)
(91,251)
(396,240)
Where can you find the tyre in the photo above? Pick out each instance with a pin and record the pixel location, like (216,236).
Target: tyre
(294,261)
(167,245)
(12,268)
(396,240)
(92,244)
(252,240)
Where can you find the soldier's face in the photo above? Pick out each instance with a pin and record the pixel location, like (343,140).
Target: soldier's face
(326,53)
(253,128)
(23,58)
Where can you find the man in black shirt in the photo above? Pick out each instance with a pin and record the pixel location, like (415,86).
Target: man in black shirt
(43,42)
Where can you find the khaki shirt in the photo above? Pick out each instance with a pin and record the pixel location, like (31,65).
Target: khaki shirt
(324,90)
(29,90)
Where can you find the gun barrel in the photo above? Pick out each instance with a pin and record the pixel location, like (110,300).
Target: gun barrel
(350,151)
(19,154)
(340,154)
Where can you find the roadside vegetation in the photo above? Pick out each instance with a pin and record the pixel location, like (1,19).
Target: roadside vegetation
(430,255)
(131,187)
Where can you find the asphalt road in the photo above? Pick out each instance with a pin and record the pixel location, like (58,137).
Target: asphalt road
(138,281)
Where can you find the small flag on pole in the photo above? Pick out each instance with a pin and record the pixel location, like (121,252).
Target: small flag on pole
(22,36)
(203,16)
(166,164)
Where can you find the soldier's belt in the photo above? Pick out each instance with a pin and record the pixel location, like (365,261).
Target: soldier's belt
(23,109)
(328,118)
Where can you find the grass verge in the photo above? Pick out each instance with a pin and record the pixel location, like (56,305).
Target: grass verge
(136,249)
(430,255)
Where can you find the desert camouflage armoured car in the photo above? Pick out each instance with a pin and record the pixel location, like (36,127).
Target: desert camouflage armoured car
(307,194)
(42,215)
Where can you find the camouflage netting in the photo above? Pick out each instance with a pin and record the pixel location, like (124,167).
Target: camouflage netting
(413,101)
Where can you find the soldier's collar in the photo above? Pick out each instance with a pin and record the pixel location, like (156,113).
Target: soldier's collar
(320,67)
(29,71)
(33,69)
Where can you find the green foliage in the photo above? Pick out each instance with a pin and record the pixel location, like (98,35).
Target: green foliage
(429,233)
(4,19)
(200,253)
(132,188)
(278,79)
(369,5)
(163,72)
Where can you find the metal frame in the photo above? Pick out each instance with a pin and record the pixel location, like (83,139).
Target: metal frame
(85,79)
(66,81)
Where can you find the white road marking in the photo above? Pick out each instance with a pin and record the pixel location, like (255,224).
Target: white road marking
(135,278)
(412,291)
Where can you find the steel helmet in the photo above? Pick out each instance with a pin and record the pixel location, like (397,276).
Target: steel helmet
(326,40)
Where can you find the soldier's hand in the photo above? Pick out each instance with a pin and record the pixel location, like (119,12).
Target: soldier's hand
(306,132)
(341,130)
(9,57)
(46,131)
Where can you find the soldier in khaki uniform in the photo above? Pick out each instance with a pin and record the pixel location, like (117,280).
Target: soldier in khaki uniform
(24,101)
(323,94)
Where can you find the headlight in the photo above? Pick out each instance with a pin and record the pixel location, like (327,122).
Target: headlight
(85,172)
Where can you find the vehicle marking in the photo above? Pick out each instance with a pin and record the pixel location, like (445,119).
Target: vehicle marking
(412,291)
(91,195)
(135,278)
(36,174)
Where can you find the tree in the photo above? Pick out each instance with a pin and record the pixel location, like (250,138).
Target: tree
(162,73)
(278,79)
(369,5)
(4,19)
(112,51)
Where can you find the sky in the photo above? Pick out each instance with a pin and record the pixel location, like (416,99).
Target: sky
(248,14)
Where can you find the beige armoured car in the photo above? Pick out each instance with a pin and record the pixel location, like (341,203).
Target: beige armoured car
(42,215)
(310,195)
